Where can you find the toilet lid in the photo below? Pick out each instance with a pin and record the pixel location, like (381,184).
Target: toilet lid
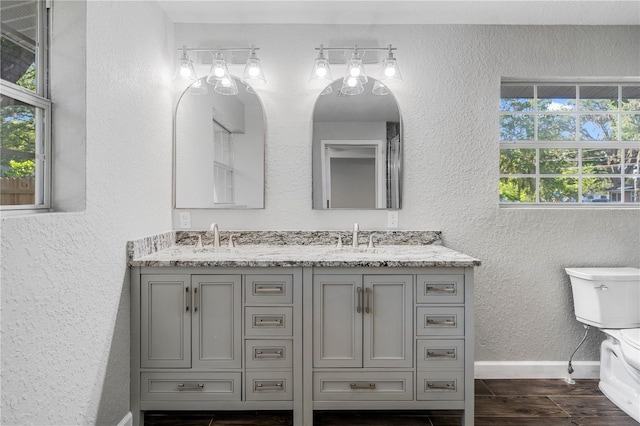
(605,274)
(631,336)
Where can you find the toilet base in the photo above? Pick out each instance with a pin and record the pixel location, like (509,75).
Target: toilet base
(616,382)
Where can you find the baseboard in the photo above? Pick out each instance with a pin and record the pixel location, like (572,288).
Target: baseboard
(536,370)
(127,420)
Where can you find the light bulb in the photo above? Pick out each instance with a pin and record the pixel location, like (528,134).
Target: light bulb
(225,81)
(321,72)
(185,72)
(352,81)
(354,72)
(254,71)
(390,71)
(219,72)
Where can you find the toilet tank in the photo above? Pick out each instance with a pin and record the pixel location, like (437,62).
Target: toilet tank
(606,297)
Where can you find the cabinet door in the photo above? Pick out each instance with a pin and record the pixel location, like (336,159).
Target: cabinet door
(337,324)
(165,321)
(216,321)
(388,319)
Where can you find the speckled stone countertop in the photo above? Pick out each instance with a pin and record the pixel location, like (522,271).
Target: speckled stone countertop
(297,248)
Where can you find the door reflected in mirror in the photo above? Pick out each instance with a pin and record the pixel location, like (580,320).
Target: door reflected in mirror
(219,149)
(357,147)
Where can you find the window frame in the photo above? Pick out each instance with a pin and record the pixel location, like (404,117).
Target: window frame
(40,99)
(576,143)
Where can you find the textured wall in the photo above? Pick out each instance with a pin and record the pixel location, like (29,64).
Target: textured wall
(449,107)
(65,294)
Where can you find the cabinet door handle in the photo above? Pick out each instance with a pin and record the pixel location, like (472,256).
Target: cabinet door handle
(367,292)
(186,299)
(441,289)
(359,297)
(195,299)
(191,387)
(370,386)
(269,386)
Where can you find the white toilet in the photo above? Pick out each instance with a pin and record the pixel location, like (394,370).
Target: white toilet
(609,299)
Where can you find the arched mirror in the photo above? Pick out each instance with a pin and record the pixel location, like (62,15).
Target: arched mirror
(357,149)
(219,149)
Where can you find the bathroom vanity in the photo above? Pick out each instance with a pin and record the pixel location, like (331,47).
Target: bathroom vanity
(295,323)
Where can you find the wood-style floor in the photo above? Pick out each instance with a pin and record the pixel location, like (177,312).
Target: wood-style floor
(498,403)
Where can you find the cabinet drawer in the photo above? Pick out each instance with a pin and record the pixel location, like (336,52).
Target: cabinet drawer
(190,386)
(272,321)
(363,386)
(269,386)
(268,289)
(440,386)
(440,354)
(439,321)
(268,353)
(440,289)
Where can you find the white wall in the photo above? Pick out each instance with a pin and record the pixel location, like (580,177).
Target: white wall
(449,102)
(65,292)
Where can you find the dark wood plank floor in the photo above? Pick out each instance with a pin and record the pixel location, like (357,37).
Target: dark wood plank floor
(498,403)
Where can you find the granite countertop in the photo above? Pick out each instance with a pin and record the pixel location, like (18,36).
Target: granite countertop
(395,249)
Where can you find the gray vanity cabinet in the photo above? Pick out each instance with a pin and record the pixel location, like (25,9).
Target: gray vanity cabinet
(362,320)
(190,321)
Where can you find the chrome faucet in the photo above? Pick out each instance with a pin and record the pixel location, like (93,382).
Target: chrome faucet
(216,234)
(354,242)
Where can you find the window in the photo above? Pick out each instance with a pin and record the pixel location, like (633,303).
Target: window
(223,186)
(569,144)
(25,109)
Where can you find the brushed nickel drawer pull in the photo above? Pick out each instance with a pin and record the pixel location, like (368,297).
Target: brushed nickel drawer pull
(447,386)
(441,354)
(448,321)
(266,322)
(440,289)
(370,386)
(190,387)
(269,353)
(359,307)
(275,386)
(269,289)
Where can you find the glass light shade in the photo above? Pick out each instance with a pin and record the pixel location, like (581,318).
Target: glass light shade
(198,88)
(185,70)
(321,69)
(351,85)
(355,68)
(226,86)
(218,70)
(379,89)
(390,70)
(253,70)
(327,90)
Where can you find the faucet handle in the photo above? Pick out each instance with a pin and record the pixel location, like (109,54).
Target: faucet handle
(231,242)
(371,245)
(339,245)
(199,245)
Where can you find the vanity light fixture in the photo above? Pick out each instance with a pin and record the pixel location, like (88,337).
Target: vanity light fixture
(219,76)
(185,69)
(355,77)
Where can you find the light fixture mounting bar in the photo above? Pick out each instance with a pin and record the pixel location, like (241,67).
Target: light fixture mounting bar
(356,47)
(218,49)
